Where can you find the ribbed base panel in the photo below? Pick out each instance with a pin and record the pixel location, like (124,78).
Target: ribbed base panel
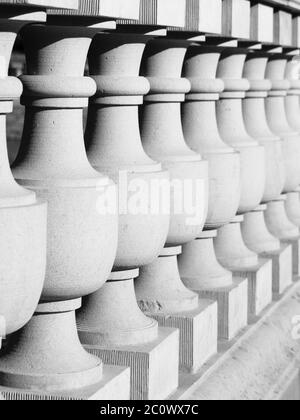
(259,286)
(296,257)
(282,269)
(233,307)
(154,366)
(114,386)
(198,334)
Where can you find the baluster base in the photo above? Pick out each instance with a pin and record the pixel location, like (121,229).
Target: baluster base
(282,269)
(245,264)
(198,340)
(259,239)
(281,227)
(260,283)
(114,386)
(232,307)
(112,326)
(201,272)
(55,360)
(154,366)
(162,295)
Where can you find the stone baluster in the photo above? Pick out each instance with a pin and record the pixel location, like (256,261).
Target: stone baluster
(231,249)
(198,264)
(276,216)
(160,290)
(81,241)
(292,107)
(255,232)
(111,323)
(22,215)
(292,204)
(276,117)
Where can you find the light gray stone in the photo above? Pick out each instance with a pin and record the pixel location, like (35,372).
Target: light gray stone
(154,366)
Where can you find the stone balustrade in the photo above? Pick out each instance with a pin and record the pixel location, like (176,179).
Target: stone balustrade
(152,252)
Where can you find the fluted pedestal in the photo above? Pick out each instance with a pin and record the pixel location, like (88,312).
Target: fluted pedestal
(81,242)
(160,290)
(111,324)
(231,249)
(199,267)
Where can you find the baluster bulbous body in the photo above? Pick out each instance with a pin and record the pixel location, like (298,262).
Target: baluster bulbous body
(23,217)
(114,147)
(159,287)
(277,120)
(255,233)
(230,247)
(198,263)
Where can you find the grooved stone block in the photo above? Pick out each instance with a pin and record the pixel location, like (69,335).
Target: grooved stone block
(66,4)
(236,18)
(161,13)
(262,23)
(295,256)
(233,307)
(114,386)
(296,31)
(260,282)
(128,9)
(198,340)
(154,366)
(283,30)
(282,268)
(204,16)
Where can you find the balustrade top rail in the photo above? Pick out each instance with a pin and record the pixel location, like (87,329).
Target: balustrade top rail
(265,22)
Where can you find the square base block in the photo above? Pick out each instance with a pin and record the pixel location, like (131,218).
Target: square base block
(114,386)
(198,339)
(154,366)
(282,269)
(260,283)
(296,256)
(233,307)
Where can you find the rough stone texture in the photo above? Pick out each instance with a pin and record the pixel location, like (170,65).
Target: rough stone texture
(154,366)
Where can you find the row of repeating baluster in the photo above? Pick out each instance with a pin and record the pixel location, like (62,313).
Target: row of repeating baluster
(160,110)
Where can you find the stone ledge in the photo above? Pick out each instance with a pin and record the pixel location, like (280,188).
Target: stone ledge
(257,361)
